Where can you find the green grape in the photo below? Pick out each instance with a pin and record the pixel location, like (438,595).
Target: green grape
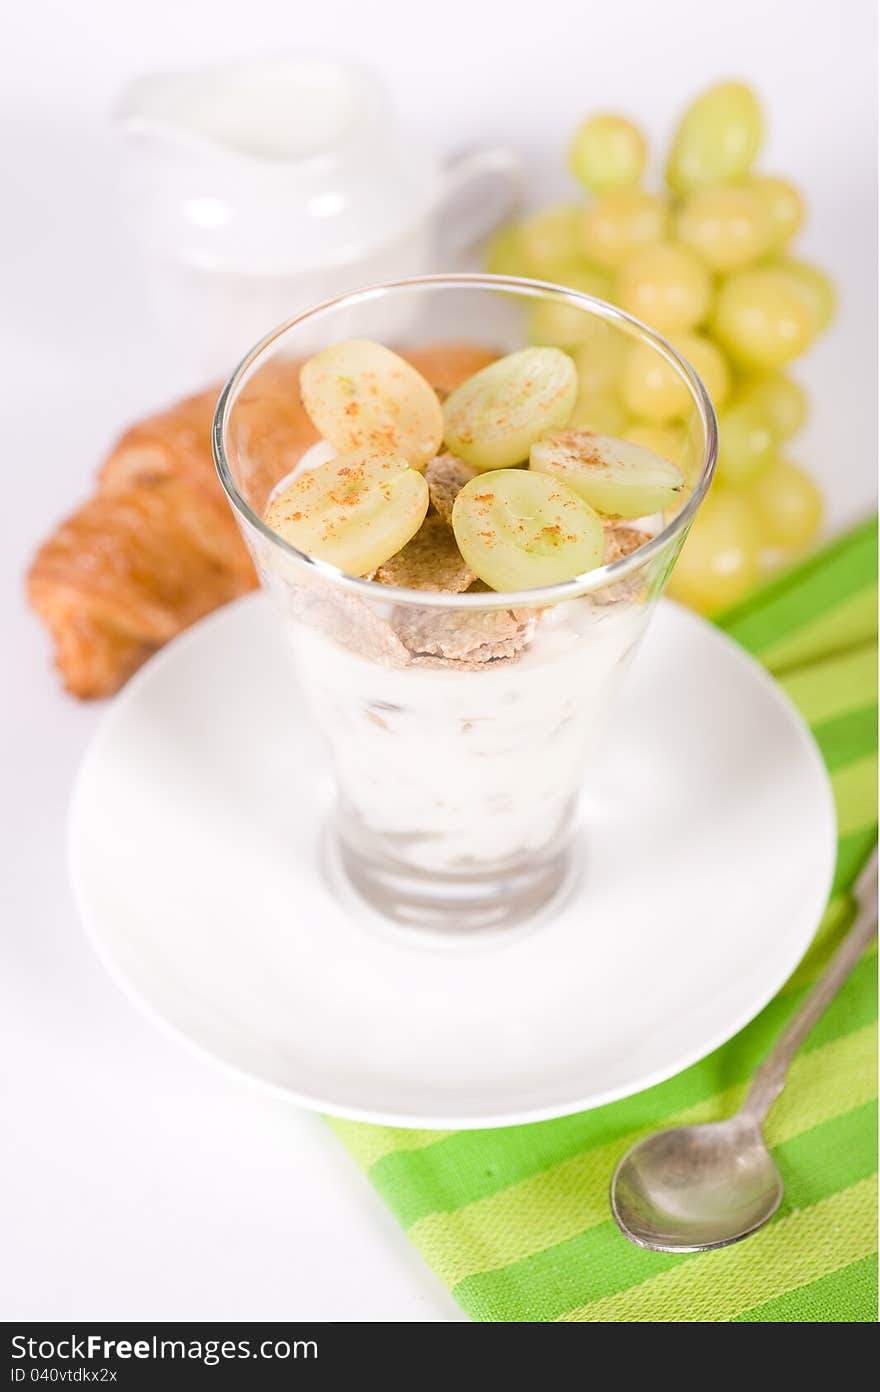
(776,559)
(651,388)
(355,511)
(784,205)
(666,286)
(787,504)
(506,255)
(554,324)
(598,360)
(728,226)
(720,560)
(560,325)
(666,441)
(551,239)
(519,530)
(616,477)
(784,400)
(493,419)
(362,397)
(815,289)
(747,443)
(619,223)
(709,363)
(588,280)
(598,411)
(717,139)
(608,152)
(761,318)
(693,450)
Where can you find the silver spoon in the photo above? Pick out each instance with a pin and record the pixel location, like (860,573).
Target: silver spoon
(697,1187)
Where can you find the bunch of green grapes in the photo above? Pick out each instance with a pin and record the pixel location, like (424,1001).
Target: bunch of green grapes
(707,262)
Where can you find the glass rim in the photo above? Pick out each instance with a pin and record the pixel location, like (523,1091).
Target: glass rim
(585,583)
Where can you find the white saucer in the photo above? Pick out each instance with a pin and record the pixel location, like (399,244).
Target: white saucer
(196,826)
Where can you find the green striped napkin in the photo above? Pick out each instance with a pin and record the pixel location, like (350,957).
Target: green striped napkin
(516,1221)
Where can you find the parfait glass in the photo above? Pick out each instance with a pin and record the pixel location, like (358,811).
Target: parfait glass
(459,727)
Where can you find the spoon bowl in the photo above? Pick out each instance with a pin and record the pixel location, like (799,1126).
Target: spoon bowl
(696,1187)
(692,1188)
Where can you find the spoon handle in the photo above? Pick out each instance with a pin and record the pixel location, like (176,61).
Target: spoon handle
(769,1079)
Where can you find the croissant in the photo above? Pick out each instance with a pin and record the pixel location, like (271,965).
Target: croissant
(157,547)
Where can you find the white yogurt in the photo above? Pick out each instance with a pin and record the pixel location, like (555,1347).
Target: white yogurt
(457,770)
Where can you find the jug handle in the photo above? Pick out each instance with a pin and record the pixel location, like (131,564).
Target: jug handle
(478,190)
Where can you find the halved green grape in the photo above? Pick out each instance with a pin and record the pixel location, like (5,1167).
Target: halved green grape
(708,361)
(552,322)
(651,388)
(616,477)
(493,419)
(815,289)
(728,226)
(720,561)
(784,205)
(784,400)
(608,152)
(551,238)
(747,442)
(354,511)
(787,503)
(666,286)
(506,254)
(666,441)
(519,530)
(363,398)
(717,138)
(619,223)
(761,318)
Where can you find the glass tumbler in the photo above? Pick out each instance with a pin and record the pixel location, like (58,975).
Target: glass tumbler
(459,727)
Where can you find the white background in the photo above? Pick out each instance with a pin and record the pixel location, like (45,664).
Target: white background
(137,1181)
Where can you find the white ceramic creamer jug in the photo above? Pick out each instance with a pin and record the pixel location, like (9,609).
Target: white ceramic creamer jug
(259,188)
